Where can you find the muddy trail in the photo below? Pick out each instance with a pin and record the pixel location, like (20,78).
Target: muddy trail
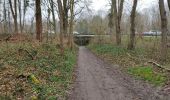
(98,80)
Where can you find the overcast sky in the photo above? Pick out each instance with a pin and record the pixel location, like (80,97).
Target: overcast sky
(103,4)
(99,4)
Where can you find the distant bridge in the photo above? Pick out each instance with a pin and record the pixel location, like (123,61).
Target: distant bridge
(84,35)
(83,40)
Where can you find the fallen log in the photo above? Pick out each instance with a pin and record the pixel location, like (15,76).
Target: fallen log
(158,65)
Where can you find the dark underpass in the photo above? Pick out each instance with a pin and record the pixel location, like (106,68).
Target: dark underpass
(82,40)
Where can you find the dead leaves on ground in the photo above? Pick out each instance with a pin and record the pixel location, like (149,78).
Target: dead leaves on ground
(22,77)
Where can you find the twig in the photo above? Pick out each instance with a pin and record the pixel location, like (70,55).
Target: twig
(158,65)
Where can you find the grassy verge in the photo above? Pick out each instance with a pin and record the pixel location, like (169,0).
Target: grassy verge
(33,71)
(147,73)
(130,62)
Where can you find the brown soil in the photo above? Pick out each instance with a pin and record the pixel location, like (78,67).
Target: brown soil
(98,80)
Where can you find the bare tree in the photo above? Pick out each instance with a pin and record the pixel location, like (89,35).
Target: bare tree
(131,44)
(110,24)
(53,15)
(38,20)
(9,19)
(5,17)
(71,23)
(164,27)
(22,8)
(118,15)
(110,17)
(26,5)
(14,14)
(61,17)
(20,14)
(65,20)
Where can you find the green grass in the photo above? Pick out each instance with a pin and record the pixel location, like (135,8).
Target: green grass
(108,49)
(148,74)
(115,50)
(52,70)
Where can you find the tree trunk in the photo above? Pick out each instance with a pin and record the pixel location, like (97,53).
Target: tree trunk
(24,13)
(65,16)
(20,14)
(38,20)
(15,18)
(5,17)
(71,24)
(131,45)
(164,24)
(9,20)
(14,14)
(114,3)
(117,15)
(48,25)
(53,15)
(110,24)
(61,17)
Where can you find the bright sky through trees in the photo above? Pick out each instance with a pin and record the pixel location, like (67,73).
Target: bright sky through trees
(103,4)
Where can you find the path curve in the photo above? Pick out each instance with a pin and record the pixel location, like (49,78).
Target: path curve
(97,80)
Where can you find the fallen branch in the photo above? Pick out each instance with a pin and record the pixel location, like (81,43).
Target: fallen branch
(154,63)
(29,54)
(158,65)
(151,62)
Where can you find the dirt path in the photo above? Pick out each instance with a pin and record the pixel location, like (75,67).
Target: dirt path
(97,80)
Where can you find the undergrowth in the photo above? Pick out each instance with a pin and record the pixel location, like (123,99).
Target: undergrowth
(35,71)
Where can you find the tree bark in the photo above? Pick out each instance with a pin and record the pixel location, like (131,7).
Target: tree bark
(118,15)
(38,20)
(71,23)
(65,20)
(61,17)
(111,23)
(20,14)
(14,14)
(9,19)
(53,15)
(131,44)
(5,17)
(164,28)
(24,13)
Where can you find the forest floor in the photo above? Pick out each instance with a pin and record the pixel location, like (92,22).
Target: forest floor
(35,71)
(99,80)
